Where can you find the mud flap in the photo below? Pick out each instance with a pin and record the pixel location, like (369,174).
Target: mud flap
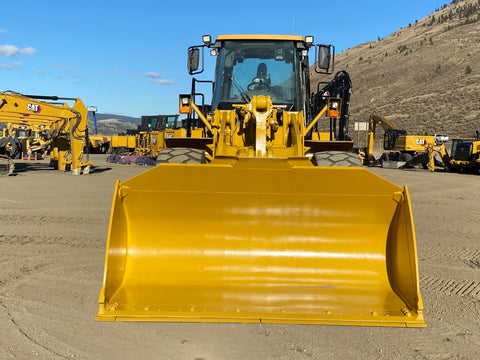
(261,241)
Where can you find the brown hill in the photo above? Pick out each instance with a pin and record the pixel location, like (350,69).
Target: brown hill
(425,77)
(111,124)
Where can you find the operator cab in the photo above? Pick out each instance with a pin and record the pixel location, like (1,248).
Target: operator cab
(258,67)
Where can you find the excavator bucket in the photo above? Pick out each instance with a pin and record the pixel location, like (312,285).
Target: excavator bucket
(266,241)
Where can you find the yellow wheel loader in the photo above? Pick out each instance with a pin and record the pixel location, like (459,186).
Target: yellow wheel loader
(150,134)
(147,140)
(255,221)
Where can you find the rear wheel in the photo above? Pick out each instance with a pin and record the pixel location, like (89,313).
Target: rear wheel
(336,158)
(181,156)
(405,157)
(11,147)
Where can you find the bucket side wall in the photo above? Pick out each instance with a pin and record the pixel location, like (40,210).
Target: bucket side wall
(402,262)
(117,245)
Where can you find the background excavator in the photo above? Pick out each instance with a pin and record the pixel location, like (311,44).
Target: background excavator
(250,218)
(410,150)
(66,124)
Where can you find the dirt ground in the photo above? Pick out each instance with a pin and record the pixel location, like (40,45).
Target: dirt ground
(53,232)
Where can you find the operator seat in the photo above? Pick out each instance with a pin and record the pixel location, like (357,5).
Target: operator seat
(262,74)
(262,80)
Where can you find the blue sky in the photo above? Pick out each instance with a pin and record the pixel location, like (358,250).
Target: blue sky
(129,57)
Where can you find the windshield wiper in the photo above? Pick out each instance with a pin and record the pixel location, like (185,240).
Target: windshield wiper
(239,88)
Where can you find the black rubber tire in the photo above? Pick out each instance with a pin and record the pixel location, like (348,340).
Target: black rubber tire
(11,146)
(383,157)
(405,157)
(181,156)
(337,158)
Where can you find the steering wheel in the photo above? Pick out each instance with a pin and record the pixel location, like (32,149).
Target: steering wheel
(258,83)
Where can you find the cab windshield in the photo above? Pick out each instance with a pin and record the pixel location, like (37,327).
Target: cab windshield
(247,68)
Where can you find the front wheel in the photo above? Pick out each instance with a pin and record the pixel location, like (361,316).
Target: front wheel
(337,158)
(181,156)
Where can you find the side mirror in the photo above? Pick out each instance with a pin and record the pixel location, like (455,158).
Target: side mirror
(193,60)
(324,58)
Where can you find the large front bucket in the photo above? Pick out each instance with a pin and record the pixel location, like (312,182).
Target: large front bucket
(261,241)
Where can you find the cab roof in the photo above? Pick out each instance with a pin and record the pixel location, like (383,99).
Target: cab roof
(260,37)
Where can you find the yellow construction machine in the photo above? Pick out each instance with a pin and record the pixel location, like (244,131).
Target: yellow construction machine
(409,150)
(465,155)
(122,144)
(10,144)
(66,124)
(31,142)
(148,138)
(151,133)
(98,143)
(255,221)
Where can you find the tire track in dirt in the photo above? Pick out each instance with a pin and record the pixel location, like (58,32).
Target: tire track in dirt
(470,257)
(453,287)
(474,263)
(450,286)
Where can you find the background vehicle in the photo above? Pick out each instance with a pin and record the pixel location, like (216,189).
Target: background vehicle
(465,155)
(10,144)
(403,148)
(248,223)
(150,134)
(31,142)
(122,144)
(98,143)
(66,124)
(148,138)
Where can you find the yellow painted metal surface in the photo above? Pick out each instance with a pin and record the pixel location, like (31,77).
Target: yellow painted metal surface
(321,136)
(413,142)
(127,141)
(261,240)
(260,37)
